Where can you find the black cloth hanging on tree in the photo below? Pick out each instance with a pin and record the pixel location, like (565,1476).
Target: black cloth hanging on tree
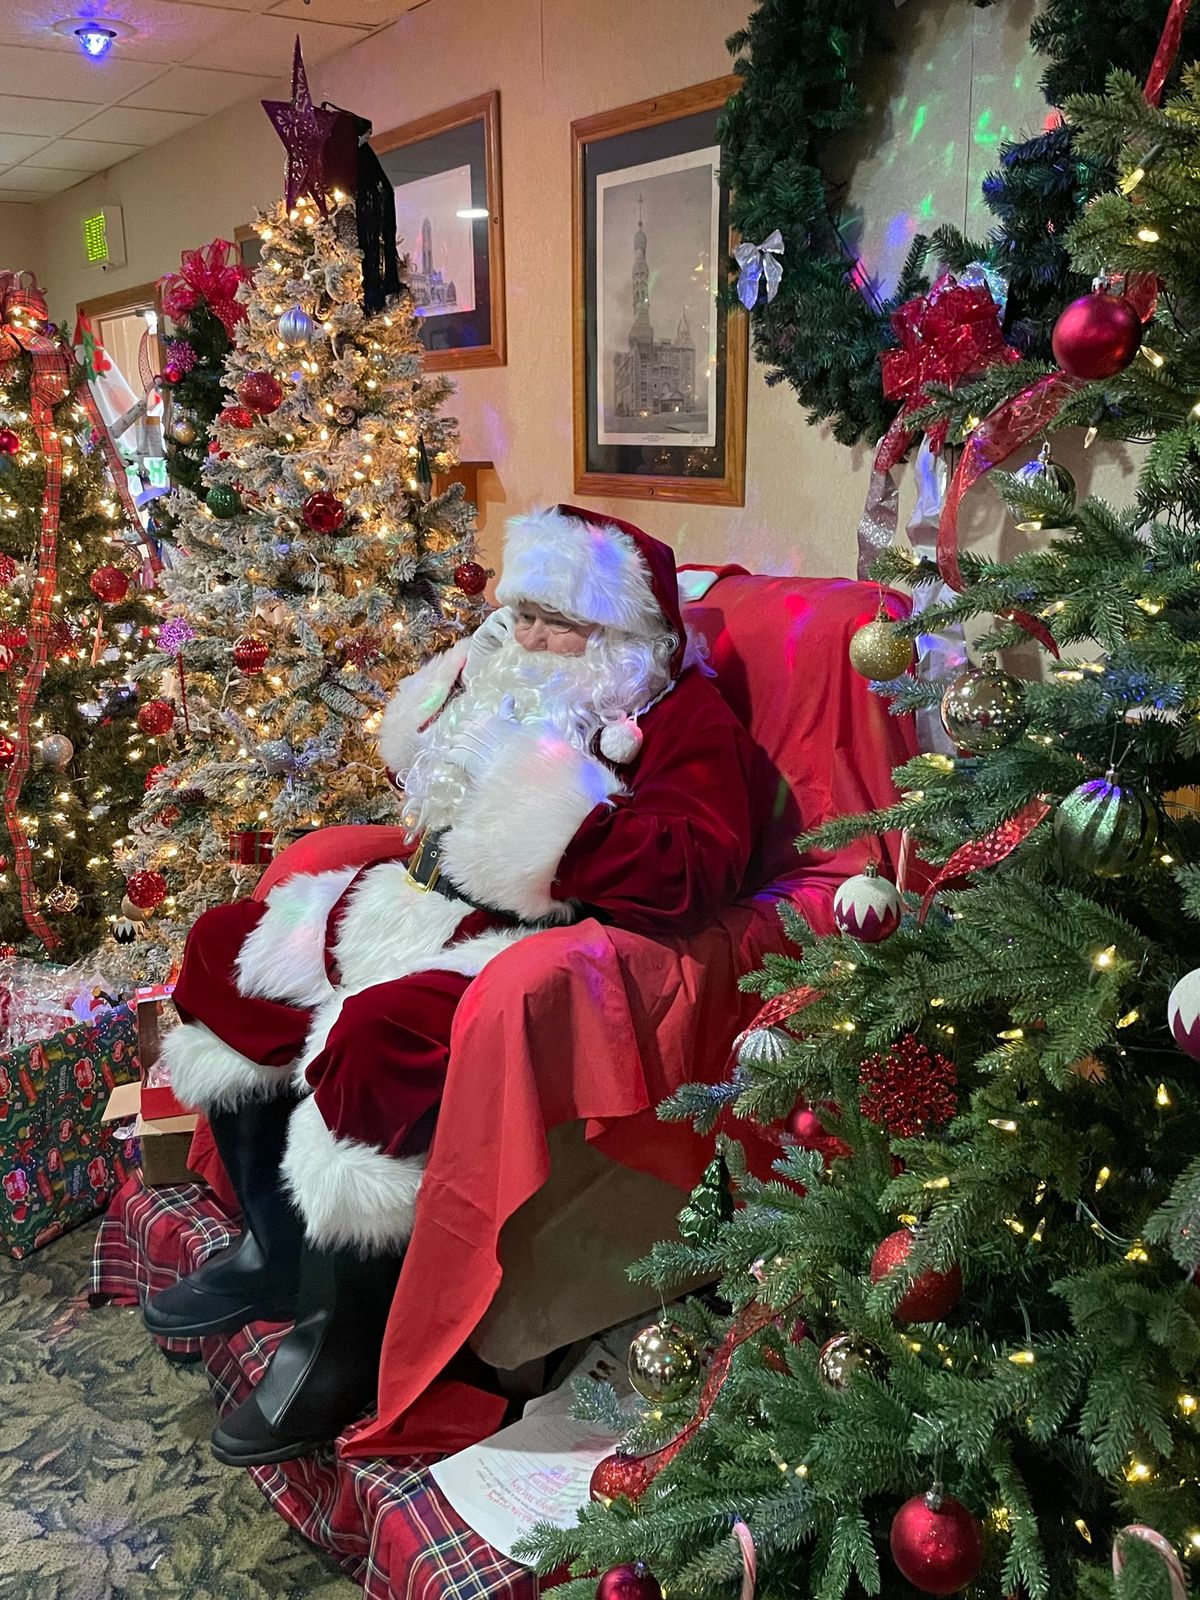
(352,166)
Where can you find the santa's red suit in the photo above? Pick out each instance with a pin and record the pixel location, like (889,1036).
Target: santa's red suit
(341,987)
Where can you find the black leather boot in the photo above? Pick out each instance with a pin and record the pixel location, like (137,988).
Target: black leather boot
(257,1277)
(326,1371)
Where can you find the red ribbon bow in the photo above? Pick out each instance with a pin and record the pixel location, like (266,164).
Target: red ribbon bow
(206,276)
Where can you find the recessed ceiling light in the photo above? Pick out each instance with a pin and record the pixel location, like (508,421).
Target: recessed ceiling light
(95,41)
(96,35)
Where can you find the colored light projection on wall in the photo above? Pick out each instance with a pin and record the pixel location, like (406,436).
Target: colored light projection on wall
(954,86)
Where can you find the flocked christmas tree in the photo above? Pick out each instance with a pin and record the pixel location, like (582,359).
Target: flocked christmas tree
(72,624)
(319,567)
(987,1215)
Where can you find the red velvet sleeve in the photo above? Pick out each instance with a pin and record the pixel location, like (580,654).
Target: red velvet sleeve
(668,854)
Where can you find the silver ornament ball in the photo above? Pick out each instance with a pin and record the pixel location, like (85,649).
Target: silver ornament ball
(847,1354)
(1043,472)
(55,751)
(296,327)
(663,1363)
(984,709)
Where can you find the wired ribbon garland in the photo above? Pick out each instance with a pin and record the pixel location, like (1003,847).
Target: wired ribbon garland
(988,851)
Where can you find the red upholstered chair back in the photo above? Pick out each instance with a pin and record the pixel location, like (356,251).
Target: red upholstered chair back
(828,745)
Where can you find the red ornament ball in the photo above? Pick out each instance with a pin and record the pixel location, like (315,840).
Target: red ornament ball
(168,816)
(156,717)
(1096,335)
(323,512)
(8,570)
(261,392)
(633,1581)
(173,372)
(936,1543)
(805,1127)
(146,889)
(236,417)
(908,1090)
(214,449)
(620,1476)
(109,584)
(470,577)
(154,774)
(10,441)
(250,655)
(8,751)
(932,1294)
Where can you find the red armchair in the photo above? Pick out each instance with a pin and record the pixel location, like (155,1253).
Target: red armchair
(549,1172)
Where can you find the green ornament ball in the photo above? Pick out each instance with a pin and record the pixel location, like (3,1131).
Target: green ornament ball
(223,501)
(1105,827)
(984,709)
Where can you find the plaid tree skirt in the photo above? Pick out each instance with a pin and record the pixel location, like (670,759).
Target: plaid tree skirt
(386,1522)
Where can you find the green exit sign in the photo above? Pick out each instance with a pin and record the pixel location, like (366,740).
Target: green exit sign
(95,239)
(102,233)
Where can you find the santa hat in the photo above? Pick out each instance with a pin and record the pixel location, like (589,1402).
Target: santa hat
(598,569)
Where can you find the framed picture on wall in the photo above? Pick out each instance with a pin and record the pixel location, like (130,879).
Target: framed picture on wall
(445,170)
(660,359)
(249,246)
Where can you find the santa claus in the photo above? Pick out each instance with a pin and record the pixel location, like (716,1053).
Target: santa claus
(571,759)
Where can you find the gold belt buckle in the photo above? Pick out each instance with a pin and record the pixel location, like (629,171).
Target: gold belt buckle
(415,863)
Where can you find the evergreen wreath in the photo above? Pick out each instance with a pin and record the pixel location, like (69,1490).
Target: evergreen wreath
(824,330)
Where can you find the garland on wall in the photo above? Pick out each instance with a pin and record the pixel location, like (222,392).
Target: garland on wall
(819,327)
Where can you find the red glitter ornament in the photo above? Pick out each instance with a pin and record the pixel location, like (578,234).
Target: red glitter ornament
(620,1476)
(10,441)
(168,816)
(236,417)
(323,512)
(8,570)
(1096,336)
(154,774)
(250,655)
(932,1294)
(8,751)
(214,449)
(14,639)
(908,1090)
(470,577)
(634,1581)
(936,1543)
(364,651)
(156,717)
(146,889)
(261,392)
(109,584)
(173,372)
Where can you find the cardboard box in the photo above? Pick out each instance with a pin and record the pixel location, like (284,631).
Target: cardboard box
(164,1141)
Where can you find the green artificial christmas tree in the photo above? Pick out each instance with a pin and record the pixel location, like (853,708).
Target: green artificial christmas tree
(72,625)
(319,569)
(993,1234)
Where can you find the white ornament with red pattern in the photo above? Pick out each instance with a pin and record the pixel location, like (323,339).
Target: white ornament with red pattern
(868,907)
(1183,1013)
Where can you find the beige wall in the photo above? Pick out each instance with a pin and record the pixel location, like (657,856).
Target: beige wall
(959,80)
(19,242)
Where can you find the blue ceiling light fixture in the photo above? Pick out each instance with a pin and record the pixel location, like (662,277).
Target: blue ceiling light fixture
(95,41)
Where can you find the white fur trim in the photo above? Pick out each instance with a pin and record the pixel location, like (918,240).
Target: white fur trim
(420,696)
(511,832)
(350,1195)
(390,927)
(589,573)
(210,1075)
(283,957)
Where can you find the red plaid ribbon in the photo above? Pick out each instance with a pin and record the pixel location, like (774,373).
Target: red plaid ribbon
(22,310)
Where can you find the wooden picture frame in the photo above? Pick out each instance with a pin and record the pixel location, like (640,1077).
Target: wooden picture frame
(663,419)
(444,159)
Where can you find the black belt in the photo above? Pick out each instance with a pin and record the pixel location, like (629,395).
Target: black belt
(425,868)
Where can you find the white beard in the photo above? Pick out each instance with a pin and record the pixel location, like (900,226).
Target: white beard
(571,696)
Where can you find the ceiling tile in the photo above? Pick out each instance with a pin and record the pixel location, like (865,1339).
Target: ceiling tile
(85,155)
(234,5)
(150,30)
(194,89)
(127,125)
(20,113)
(367,13)
(70,76)
(16,146)
(40,180)
(264,44)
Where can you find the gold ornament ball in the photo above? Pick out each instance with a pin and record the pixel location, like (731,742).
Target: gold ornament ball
(878,652)
(133,913)
(663,1363)
(62,900)
(183,430)
(55,751)
(984,709)
(846,1354)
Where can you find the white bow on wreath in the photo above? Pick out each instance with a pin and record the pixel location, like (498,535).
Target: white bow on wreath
(756,263)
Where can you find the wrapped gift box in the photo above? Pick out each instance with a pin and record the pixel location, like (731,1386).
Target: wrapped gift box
(163,1126)
(59,1163)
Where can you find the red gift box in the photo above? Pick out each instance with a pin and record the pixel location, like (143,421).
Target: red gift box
(251,847)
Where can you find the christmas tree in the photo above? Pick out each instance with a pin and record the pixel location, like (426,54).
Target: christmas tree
(963,1328)
(72,622)
(319,570)
(201,301)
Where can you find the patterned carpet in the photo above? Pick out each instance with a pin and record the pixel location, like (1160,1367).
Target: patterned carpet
(107,1487)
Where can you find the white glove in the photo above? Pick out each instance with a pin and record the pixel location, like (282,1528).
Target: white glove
(478,744)
(495,631)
